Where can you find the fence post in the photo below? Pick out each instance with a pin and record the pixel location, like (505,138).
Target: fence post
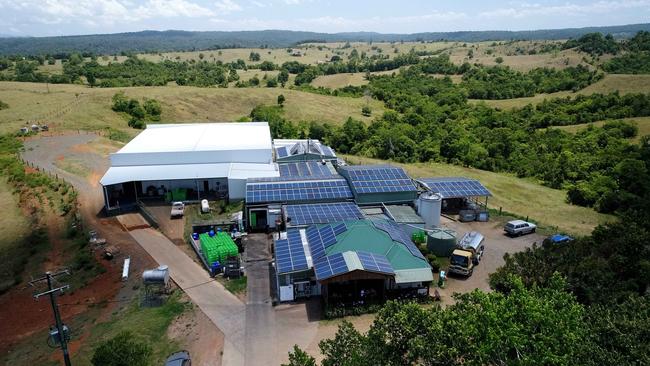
(500,209)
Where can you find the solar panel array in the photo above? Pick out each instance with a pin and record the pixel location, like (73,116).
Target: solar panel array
(380,180)
(320,239)
(375,262)
(322,213)
(329,266)
(304,169)
(397,234)
(459,187)
(282,152)
(286,191)
(290,254)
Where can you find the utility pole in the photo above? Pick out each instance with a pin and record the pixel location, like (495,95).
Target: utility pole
(52,292)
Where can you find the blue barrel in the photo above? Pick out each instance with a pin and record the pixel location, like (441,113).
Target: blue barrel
(215,268)
(195,236)
(211,233)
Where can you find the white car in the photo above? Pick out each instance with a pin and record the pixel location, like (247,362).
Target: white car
(178,209)
(519,227)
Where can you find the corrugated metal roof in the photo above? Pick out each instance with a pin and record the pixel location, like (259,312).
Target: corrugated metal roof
(184,137)
(121,174)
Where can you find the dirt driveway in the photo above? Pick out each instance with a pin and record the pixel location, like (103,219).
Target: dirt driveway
(496,246)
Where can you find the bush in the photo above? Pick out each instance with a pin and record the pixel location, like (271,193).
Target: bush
(122,350)
(366,111)
(137,123)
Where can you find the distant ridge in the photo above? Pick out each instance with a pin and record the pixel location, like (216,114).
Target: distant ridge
(178,40)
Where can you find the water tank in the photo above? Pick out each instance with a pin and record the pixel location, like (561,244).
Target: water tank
(441,242)
(158,276)
(429,207)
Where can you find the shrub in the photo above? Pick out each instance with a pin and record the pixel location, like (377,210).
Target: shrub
(122,350)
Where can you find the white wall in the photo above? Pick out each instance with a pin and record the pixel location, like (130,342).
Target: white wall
(261,156)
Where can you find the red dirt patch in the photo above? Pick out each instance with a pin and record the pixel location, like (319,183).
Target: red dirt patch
(22,315)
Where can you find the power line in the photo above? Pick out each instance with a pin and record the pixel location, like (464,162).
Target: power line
(60,327)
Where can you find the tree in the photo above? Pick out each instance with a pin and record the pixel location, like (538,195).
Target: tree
(153,109)
(254,56)
(122,350)
(299,358)
(281,100)
(120,102)
(347,348)
(283,77)
(499,60)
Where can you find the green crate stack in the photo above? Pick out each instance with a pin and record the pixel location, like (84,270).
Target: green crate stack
(218,247)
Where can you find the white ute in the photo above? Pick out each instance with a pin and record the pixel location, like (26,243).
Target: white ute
(178,209)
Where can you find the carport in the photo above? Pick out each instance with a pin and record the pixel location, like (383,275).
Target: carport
(457,192)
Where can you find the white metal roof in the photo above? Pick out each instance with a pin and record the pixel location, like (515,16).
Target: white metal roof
(184,137)
(121,174)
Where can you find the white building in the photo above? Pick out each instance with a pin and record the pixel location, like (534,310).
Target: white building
(187,162)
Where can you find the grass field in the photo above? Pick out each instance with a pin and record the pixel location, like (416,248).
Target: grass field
(520,196)
(624,84)
(643,123)
(80,107)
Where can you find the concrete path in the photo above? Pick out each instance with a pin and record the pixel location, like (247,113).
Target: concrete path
(261,335)
(222,307)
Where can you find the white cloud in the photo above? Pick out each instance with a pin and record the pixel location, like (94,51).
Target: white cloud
(527,10)
(172,8)
(227,6)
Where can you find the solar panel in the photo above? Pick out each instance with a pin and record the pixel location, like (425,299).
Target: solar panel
(286,191)
(315,242)
(372,179)
(397,234)
(322,213)
(375,262)
(456,187)
(282,152)
(327,151)
(304,169)
(327,235)
(290,254)
(329,266)
(340,228)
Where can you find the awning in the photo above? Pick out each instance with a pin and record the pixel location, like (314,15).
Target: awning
(122,174)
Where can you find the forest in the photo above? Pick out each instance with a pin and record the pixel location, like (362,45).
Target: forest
(429,119)
(174,40)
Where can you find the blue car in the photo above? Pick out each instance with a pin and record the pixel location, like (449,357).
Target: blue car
(560,239)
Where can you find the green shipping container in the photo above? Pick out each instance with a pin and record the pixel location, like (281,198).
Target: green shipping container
(218,248)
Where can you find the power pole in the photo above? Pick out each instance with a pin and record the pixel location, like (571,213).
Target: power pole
(52,292)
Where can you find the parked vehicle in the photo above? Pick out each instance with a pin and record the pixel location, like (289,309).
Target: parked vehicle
(519,227)
(44,128)
(468,254)
(178,209)
(559,239)
(181,358)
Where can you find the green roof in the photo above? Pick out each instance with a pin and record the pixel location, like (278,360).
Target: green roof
(362,235)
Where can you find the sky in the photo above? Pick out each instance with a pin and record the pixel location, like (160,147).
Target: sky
(72,17)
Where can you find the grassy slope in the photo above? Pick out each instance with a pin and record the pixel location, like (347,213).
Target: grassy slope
(80,107)
(611,82)
(516,195)
(642,122)
(149,324)
(14,224)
